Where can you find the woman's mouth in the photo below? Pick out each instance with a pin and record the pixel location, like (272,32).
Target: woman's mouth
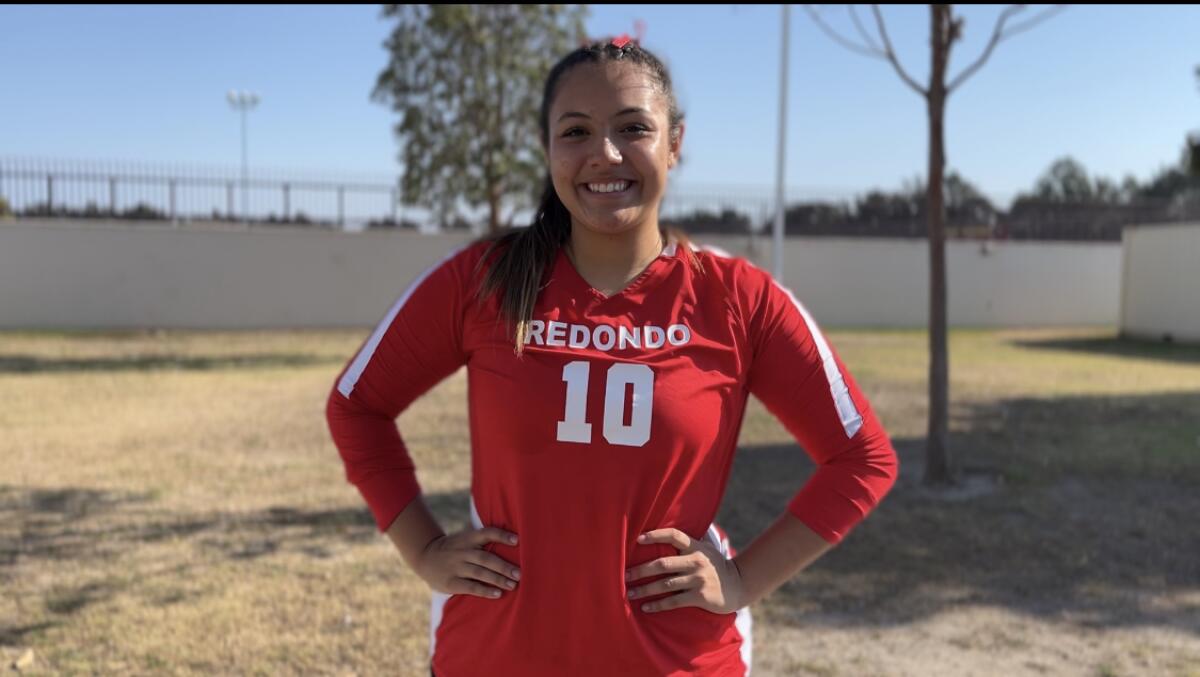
(610,187)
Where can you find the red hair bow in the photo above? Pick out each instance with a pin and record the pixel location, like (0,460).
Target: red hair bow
(621,40)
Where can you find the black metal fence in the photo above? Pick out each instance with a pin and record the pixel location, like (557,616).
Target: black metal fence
(38,187)
(183,194)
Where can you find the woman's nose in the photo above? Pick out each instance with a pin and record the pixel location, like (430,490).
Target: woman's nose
(608,152)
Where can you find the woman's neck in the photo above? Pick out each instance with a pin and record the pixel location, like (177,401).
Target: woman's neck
(610,263)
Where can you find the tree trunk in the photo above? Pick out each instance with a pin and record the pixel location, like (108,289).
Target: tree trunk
(494,191)
(938,468)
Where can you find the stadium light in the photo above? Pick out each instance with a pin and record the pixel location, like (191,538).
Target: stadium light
(243,101)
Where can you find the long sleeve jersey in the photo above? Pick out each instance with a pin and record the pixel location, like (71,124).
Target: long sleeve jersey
(622,416)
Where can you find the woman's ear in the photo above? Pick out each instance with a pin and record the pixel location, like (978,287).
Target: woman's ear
(676,146)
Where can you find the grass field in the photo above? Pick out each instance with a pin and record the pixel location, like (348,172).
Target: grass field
(172,503)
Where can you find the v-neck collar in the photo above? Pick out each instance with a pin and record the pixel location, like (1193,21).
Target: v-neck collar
(653,270)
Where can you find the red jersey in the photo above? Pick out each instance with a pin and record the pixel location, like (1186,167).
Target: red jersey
(621,417)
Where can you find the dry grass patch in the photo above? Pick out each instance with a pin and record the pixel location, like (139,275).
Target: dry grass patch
(172,503)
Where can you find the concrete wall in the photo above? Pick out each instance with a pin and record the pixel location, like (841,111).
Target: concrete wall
(111,275)
(1161,288)
(869,282)
(62,274)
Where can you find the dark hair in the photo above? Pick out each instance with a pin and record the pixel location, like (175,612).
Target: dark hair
(526,253)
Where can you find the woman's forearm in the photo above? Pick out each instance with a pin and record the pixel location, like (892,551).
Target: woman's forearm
(414,529)
(783,550)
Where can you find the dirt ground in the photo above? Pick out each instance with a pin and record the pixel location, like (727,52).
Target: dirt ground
(171,503)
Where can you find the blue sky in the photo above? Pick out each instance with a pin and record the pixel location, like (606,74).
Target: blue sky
(1112,86)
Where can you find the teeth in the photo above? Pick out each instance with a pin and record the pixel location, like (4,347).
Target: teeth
(608,187)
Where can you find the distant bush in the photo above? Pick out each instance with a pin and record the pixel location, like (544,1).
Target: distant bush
(701,221)
(389,224)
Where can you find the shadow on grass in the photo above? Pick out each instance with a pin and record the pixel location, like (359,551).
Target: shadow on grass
(1087,541)
(1119,347)
(81,539)
(25,364)
(15,635)
(1095,518)
(87,525)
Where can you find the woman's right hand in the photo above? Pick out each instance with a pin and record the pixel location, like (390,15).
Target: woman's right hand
(457,564)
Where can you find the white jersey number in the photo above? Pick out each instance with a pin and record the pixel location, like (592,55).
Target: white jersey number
(574,426)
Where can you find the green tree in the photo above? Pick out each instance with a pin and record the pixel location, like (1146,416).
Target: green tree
(1066,181)
(945,29)
(467,82)
(1193,144)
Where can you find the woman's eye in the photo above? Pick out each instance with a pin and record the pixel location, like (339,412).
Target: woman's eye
(574,131)
(637,129)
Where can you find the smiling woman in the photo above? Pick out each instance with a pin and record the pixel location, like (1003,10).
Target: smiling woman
(615,135)
(603,426)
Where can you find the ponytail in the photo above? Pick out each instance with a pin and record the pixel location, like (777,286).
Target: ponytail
(525,255)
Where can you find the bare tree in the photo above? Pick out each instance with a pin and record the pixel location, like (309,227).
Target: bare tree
(1193,142)
(945,28)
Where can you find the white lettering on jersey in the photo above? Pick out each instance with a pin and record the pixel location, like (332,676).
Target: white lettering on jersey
(604,337)
(556,332)
(579,336)
(678,334)
(655,336)
(535,332)
(628,337)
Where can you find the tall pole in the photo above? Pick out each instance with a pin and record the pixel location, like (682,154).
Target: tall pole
(245,169)
(244,102)
(780,151)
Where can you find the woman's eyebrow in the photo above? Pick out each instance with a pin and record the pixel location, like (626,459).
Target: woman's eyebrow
(576,114)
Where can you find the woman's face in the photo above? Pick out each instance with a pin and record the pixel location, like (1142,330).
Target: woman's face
(608,128)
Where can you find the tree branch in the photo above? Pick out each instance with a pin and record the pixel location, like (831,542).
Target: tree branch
(1050,11)
(999,35)
(848,44)
(861,31)
(890,54)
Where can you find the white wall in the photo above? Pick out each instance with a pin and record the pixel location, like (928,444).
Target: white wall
(65,275)
(884,282)
(97,275)
(1161,290)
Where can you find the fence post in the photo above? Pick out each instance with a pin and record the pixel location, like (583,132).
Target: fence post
(174,214)
(342,207)
(395,208)
(112,195)
(229,200)
(50,194)
(287,202)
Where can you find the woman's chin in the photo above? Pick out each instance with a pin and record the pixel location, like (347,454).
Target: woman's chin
(613,223)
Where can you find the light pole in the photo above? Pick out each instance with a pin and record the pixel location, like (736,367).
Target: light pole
(243,101)
(781,149)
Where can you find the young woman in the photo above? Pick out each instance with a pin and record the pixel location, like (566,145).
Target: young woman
(608,365)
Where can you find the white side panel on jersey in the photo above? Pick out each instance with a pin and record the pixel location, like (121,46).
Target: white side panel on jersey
(350,378)
(437,604)
(847,412)
(437,601)
(744,623)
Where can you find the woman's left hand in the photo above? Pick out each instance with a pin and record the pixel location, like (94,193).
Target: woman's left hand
(702,578)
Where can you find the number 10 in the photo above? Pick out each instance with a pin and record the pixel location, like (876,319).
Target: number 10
(574,427)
